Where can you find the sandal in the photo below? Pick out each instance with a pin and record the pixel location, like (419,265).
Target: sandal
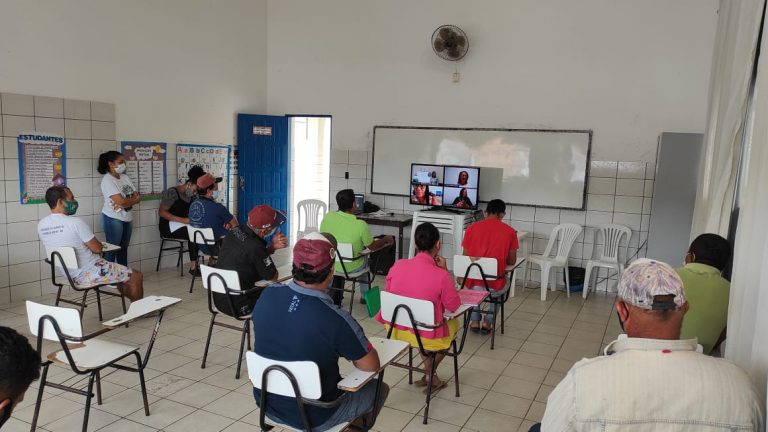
(474,326)
(440,384)
(486,330)
(421,382)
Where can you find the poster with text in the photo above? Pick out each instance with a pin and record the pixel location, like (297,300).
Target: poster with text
(213,159)
(42,164)
(145,165)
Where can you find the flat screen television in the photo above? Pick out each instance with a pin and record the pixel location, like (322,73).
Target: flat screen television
(426,185)
(460,187)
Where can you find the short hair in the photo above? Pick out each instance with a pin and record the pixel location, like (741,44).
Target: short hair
(496,206)
(426,236)
(308,277)
(711,249)
(345,199)
(19,364)
(54,194)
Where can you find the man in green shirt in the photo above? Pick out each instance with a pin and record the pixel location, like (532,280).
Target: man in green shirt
(707,292)
(347,228)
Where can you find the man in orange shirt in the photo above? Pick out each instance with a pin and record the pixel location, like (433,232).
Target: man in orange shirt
(490,238)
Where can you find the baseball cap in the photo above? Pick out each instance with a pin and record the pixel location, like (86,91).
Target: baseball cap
(195,173)
(263,217)
(645,279)
(206,180)
(315,252)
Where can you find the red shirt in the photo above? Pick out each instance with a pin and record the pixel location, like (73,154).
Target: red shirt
(420,278)
(490,238)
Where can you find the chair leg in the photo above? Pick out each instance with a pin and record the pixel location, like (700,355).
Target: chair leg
(527,272)
(248,335)
(493,325)
(352,297)
(192,284)
(544,281)
(160,254)
(429,386)
(208,341)
(98,387)
(567,282)
(143,383)
(180,261)
(98,304)
(240,353)
(82,304)
(58,296)
(88,398)
(587,280)
(40,390)
(502,317)
(455,367)
(410,365)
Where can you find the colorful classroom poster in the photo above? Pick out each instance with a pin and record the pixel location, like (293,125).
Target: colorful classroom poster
(42,164)
(145,166)
(213,159)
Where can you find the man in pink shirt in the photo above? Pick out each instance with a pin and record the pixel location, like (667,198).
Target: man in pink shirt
(425,277)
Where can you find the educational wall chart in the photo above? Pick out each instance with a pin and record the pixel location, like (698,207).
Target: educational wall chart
(214,159)
(42,164)
(145,164)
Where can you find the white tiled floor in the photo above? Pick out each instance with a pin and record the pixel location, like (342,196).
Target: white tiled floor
(504,389)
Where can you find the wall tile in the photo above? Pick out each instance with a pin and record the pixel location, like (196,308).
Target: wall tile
(12,191)
(102,111)
(103,130)
(77,129)
(522,213)
(338,170)
(648,192)
(25,291)
(81,186)
(79,168)
(49,125)
(357,185)
(78,149)
(11,168)
(21,212)
(595,218)
(547,215)
(49,107)
(630,187)
(339,156)
(600,202)
(627,204)
(356,171)
(394,202)
(24,273)
(647,205)
(4,257)
(23,232)
(338,184)
(602,185)
(358,157)
(603,169)
(634,170)
(17,104)
(15,125)
(572,216)
(10,148)
(77,109)
(24,253)
(101,146)
(631,220)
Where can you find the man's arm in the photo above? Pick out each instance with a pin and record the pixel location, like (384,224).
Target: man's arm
(370,362)
(512,257)
(381,243)
(94,245)
(166,214)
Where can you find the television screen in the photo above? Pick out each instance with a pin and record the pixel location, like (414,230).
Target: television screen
(460,187)
(426,186)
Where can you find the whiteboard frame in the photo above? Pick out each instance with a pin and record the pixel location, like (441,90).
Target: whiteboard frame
(589,133)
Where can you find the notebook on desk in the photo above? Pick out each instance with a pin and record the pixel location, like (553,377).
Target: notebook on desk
(472,297)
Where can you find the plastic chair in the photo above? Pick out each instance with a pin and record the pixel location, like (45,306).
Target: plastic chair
(64,258)
(313,211)
(566,234)
(613,235)
(205,237)
(344,256)
(226,282)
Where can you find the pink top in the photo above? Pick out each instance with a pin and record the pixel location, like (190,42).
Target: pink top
(420,278)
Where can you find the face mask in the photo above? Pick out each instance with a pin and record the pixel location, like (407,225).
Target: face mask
(215,195)
(70,207)
(120,168)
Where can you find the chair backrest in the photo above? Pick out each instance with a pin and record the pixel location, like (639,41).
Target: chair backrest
(345,251)
(566,234)
(203,236)
(613,235)
(67,254)
(423,310)
(67,319)
(313,209)
(306,373)
(230,278)
(461,263)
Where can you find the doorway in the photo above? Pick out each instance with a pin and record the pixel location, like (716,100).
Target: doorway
(310,143)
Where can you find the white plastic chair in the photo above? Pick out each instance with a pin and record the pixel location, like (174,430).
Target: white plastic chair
(313,211)
(613,235)
(566,234)
(344,256)
(201,236)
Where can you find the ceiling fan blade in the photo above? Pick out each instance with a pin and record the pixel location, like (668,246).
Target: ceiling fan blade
(439,45)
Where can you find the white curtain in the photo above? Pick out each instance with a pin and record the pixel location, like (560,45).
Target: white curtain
(737,31)
(747,343)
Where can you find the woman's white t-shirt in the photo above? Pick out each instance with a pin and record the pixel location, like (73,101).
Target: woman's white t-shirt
(113,186)
(61,230)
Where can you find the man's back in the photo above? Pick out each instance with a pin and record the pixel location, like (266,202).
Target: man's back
(707,292)
(206,213)
(348,229)
(490,238)
(245,252)
(62,230)
(658,385)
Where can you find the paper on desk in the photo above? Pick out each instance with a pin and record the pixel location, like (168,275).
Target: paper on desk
(472,297)
(175,226)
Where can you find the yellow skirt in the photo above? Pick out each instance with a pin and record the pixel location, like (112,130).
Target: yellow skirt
(439,344)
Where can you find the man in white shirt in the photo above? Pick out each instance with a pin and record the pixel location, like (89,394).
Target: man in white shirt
(62,228)
(652,380)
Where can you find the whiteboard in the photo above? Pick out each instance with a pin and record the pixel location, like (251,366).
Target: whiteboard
(546,168)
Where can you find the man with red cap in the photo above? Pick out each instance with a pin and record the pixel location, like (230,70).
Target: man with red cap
(245,251)
(206,212)
(299,322)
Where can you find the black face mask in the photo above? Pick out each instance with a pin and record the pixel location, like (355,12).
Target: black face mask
(6,414)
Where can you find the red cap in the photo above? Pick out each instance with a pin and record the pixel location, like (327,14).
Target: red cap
(263,217)
(205,181)
(314,252)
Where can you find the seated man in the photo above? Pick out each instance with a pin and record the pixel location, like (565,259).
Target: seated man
(707,292)
(175,207)
(299,322)
(62,228)
(490,238)
(347,228)
(19,366)
(245,251)
(205,212)
(652,380)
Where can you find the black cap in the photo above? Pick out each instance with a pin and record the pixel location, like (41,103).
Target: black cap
(195,173)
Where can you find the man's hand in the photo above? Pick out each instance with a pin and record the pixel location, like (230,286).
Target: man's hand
(441,262)
(279,240)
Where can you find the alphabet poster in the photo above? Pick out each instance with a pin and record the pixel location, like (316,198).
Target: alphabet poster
(145,165)
(42,164)
(214,159)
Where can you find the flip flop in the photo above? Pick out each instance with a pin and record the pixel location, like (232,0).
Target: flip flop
(421,382)
(486,330)
(436,387)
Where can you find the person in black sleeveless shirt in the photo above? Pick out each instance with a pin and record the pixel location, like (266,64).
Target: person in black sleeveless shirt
(175,207)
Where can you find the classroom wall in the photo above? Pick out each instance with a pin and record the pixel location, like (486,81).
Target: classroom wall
(626,69)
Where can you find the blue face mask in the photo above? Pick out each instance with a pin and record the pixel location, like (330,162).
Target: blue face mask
(215,195)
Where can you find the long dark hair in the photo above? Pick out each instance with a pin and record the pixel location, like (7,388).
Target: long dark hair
(104,160)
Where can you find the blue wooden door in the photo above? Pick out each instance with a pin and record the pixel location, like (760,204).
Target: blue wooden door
(264,163)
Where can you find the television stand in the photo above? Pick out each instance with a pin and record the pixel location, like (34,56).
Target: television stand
(438,208)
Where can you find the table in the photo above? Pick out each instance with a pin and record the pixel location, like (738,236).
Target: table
(283,260)
(397,220)
(388,350)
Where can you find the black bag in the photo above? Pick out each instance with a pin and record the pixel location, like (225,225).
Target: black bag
(369,207)
(382,260)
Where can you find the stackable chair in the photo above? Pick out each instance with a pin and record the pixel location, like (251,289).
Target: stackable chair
(64,258)
(613,236)
(486,269)
(204,237)
(177,245)
(419,314)
(565,234)
(226,282)
(313,210)
(88,355)
(344,256)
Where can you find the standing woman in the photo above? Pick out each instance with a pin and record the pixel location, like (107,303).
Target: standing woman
(119,198)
